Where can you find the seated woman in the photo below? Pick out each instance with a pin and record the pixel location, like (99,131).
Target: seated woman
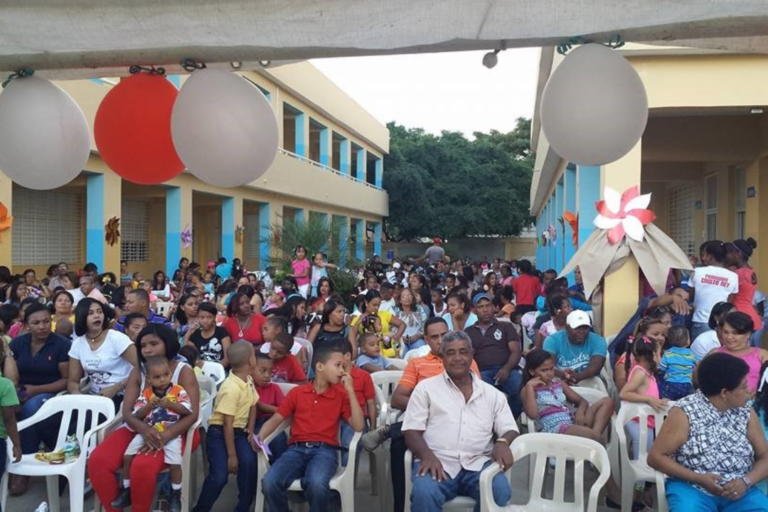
(62,308)
(104,355)
(711,446)
(42,358)
(107,459)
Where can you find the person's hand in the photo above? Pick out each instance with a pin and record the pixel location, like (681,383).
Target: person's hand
(110,391)
(502,455)
(734,489)
(154,401)
(166,402)
(153,440)
(252,442)
(502,375)
(659,405)
(570,377)
(536,381)
(680,306)
(711,483)
(349,385)
(16,453)
(30,390)
(580,418)
(434,466)
(232,464)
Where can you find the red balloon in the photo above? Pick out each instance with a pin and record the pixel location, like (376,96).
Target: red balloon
(133,129)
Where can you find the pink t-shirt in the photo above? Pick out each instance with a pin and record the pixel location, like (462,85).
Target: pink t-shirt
(299,267)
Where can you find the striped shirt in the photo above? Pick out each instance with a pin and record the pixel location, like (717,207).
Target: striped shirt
(677,364)
(420,368)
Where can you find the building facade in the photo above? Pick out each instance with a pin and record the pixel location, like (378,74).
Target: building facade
(329,163)
(703,156)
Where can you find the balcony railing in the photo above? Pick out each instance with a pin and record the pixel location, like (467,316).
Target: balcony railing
(327,168)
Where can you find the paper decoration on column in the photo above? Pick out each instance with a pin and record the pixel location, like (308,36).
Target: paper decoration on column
(239,234)
(186,238)
(573,221)
(625,227)
(112,231)
(552,229)
(6,220)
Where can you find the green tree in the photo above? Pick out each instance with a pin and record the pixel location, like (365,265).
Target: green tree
(453,187)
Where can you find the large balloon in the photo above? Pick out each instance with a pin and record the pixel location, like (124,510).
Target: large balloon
(133,129)
(594,108)
(224,128)
(44,140)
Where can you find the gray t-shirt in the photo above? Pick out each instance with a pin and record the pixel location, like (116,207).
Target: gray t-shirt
(434,254)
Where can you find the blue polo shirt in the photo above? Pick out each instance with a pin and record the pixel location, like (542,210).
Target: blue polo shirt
(571,356)
(42,368)
(153,319)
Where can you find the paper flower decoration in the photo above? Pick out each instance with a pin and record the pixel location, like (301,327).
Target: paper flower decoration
(625,228)
(239,234)
(112,231)
(573,221)
(552,229)
(186,238)
(625,214)
(6,221)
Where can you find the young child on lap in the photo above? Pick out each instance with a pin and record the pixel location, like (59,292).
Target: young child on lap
(160,405)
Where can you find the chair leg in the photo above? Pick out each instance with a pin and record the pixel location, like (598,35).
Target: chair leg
(627,492)
(76,491)
(52,483)
(4,491)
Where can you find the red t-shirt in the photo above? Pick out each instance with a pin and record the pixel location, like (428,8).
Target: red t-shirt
(526,289)
(315,417)
(271,394)
(288,369)
(363,384)
(746,294)
(252,331)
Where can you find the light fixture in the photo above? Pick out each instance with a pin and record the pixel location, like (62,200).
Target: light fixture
(265,63)
(236,64)
(756,110)
(490,59)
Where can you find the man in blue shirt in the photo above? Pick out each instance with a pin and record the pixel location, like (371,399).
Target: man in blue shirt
(579,352)
(137,301)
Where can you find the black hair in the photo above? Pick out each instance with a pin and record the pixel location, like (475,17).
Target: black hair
(27,271)
(166,334)
(320,285)
(288,312)
(284,339)
(247,289)
(90,267)
(234,303)
(155,284)
(5,274)
(180,315)
(130,318)
(7,313)
(745,247)
(343,346)
(208,307)
(261,356)
(716,249)
(190,353)
(182,260)
(371,295)
(155,361)
(434,320)
(535,358)
(140,294)
(524,267)
(556,302)
(56,296)
(81,315)
(715,315)
(13,296)
(361,339)
(426,300)
(642,347)
(719,371)
(741,322)
(279,322)
(386,285)
(323,354)
(330,306)
(678,336)
(508,293)
(222,260)
(463,299)
(36,307)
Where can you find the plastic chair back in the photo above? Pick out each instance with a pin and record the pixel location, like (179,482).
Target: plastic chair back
(309,347)
(162,307)
(387,381)
(208,392)
(215,371)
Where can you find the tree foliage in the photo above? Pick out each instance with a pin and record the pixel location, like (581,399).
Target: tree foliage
(453,187)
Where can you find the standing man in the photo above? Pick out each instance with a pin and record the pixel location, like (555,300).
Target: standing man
(497,351)
(456,425)
(434,253)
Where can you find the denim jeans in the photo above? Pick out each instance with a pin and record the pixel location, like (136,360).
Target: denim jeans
(511,387)
(684,496)
(698,328)
(397,450)
(314,466)
(278,445)
(429,495)
(46,431)
(218,473)
(407,347)
(345,438)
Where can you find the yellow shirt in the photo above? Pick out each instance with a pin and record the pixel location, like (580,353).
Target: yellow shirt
(235,398)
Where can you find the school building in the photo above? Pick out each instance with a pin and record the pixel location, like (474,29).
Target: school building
(703,156)
(329,163)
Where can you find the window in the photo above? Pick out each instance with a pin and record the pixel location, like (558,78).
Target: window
(134,230)
(48,227)
(740,200)
(251,236)
(710,207)
(681,203)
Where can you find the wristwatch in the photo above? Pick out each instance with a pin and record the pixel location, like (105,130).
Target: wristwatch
(502,440)
(747,481)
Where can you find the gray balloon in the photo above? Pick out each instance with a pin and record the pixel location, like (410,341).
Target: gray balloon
(594,108)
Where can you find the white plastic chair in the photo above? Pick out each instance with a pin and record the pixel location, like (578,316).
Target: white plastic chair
(458,503)
(285,387)
(561,449)
(633,471)
(419,352)
(342,482)
(162,307)
(188,469)
(387,381)
(309,347)
(208,392)
(215,371)
(102,412)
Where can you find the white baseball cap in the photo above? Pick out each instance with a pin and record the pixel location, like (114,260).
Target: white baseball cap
(578,319)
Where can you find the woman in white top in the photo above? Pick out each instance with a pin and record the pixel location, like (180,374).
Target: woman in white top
(160,287)
(710,284)
(104,355)
(710,339)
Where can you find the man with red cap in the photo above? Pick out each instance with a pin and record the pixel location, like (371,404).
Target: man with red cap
(434,253)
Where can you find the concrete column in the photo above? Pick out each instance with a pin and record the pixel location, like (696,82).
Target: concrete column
(377,234)
(231,217)
(345,156)
(621,289)
(343,236)
(178,216)
(570,206)
(326,147)
(379,172)
(559,228)
(265,231)
(300,216)
(103,201)
(360,239)
(360,171)
(589,191)
(302,134)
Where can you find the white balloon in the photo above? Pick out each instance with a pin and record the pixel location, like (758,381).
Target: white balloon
(594,108)
(44,141)
(223,128)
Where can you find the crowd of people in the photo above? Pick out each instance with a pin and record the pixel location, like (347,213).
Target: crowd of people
(481,344)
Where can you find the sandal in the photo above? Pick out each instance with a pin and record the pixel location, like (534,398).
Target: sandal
(19,485)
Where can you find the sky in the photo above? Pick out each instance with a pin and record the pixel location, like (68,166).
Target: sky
(441,91)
